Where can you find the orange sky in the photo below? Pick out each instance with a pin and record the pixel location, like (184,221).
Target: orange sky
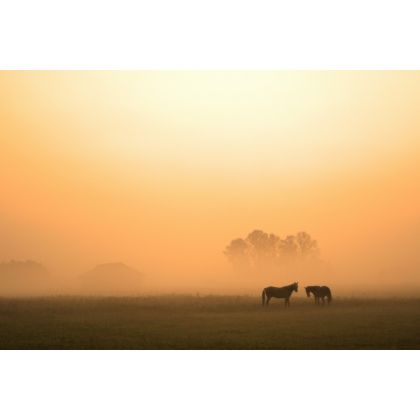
(162,169)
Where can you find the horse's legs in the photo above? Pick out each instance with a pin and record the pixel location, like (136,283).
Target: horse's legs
(268,300)
(286,302)
(323,300)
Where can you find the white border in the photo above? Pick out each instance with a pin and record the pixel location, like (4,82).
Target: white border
(217,34)
(209,385)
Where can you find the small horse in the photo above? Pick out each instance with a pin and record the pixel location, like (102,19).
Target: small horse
(320,293)
(279,292)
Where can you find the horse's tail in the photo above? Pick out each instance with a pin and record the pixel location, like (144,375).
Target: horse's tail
(263,296)
(329,295)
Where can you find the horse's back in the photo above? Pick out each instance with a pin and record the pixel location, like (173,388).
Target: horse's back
(278,292)
(273,289)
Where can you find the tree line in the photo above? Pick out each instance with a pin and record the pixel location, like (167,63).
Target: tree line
(261,249)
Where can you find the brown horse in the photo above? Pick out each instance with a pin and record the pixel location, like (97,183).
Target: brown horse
(279,292)
(320,293)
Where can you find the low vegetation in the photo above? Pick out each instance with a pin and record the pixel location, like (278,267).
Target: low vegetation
(210,322)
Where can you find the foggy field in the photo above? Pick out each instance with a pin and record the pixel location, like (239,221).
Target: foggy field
(212,322)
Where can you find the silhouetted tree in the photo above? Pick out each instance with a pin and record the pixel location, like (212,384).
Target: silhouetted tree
(238,251)
(306,244)
(288,246)
(262,249)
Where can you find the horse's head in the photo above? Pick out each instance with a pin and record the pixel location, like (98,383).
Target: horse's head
(308,291)
(295,287)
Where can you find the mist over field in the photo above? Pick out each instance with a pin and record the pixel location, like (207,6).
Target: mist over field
(143,183)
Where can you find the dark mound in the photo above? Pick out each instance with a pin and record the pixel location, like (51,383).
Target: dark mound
(23,277)
(112,278)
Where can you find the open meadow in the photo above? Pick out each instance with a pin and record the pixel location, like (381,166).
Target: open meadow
(209,322)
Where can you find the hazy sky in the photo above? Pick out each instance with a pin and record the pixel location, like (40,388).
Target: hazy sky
(162,169)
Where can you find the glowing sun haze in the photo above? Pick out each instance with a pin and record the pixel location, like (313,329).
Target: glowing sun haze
(162,169)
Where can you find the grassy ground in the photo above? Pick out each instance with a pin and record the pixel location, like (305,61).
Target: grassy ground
(213,322)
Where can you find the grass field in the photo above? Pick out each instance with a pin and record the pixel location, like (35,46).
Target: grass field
(212,322)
